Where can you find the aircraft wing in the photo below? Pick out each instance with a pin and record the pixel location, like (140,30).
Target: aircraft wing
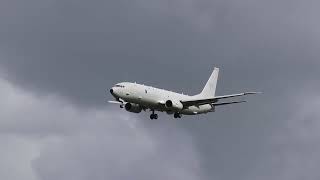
(115,102)
(199,102)
(226,103)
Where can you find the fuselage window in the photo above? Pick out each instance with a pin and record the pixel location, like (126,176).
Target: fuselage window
(146,91)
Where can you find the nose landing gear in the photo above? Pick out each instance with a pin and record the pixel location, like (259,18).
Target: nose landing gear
(153,115)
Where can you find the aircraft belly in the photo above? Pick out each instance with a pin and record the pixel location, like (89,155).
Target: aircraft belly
(188,112)
(193,110)
(150,103)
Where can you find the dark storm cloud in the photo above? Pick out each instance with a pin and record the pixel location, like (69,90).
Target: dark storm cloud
(71,47)
(78,49)
(69,51)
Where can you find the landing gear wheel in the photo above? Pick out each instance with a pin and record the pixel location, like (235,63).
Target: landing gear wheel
(153,116)
(177,115)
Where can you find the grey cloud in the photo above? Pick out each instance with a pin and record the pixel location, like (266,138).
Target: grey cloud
(90,156)
(70,143)
(16,154)
(292,152)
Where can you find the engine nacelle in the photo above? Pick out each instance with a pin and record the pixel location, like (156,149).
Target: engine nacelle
(174,105)
(134,108)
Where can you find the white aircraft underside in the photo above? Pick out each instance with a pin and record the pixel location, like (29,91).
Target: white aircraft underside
(136,97)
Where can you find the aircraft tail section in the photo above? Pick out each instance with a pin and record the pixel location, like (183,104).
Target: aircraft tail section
(209,90)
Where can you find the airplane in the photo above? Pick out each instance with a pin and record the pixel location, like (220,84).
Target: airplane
(136,97)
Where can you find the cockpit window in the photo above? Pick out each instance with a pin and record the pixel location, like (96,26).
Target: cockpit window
(121,86)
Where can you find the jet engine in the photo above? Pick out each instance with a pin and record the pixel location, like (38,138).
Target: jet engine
(134,108)
(174,105)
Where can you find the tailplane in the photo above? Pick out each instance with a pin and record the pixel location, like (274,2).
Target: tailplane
(209,90)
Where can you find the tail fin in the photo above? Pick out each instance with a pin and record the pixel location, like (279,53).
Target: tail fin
(210,89)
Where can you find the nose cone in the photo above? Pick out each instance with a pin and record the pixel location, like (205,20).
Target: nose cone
(114,93)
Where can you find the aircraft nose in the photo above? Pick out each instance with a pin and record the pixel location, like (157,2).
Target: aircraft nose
(111,91)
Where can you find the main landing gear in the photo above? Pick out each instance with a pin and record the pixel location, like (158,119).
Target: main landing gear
(153,115)
(177,115)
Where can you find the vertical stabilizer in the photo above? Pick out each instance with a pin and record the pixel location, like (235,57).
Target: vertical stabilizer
(209,90)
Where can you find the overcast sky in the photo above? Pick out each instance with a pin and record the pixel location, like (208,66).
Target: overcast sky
(58,58)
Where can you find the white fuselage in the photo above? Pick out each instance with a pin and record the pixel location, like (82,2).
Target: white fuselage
(155,98)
